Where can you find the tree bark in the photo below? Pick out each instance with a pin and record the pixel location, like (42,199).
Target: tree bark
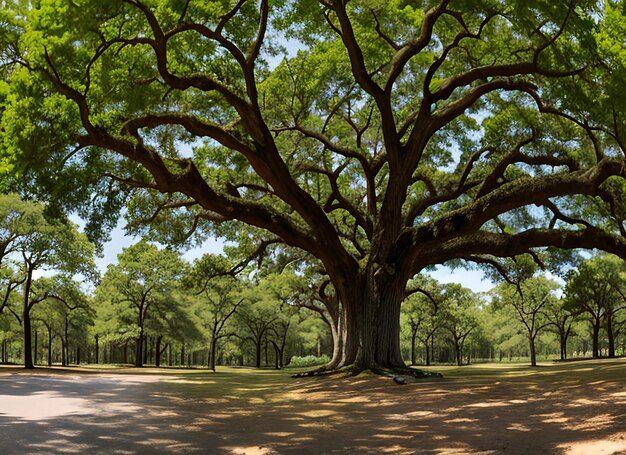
(28,354)
(139,349)
(609,333)
(49,346)
(595,339)
(63,352)
(157,351)
(258,345)
(372,317)
(533,353)
(65,344)
(213,349)
(413,337)
(36,345)
(146,343)
(457,350)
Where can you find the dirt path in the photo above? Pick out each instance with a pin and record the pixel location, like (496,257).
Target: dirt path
(576,408)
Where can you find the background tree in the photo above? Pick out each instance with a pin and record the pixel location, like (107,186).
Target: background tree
(420,310)
(460,316)
(261,309)
(50,245)
(561,321)
(64,310)
(530,298)
(591,290)
(18,220)
(52,317)
(218,295)
(138,286)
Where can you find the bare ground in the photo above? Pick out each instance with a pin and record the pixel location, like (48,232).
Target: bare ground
(576,408)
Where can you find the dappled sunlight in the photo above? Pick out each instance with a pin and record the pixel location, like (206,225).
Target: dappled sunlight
(489,404)
(583,402)
(318,413)
(493,412)
(594,423)
(280,434)
(615,445)
(518,427)
(61,446)
(42,405)
(249,450)
(353,400)
(457,451)
(317,425)
(391,436)
(554,417)
(397,450)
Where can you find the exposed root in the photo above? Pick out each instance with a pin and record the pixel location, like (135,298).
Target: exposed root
(400,375)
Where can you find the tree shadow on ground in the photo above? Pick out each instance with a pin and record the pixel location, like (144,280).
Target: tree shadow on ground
(575,408)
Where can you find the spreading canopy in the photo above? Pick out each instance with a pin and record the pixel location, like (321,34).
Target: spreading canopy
(377,136)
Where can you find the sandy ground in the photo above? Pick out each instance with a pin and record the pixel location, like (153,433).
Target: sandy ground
(577,408)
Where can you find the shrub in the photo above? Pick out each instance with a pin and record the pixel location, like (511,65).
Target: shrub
(308,361)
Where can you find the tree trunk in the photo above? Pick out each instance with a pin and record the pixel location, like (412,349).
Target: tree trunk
(157,351)
(609,333)
(65,344)
(427,354)
(97,349)
(146,342)
(596,336)
(533,353)
(457,349)
(413,337)
(373,324)
(212,352)
(258,346)
(28,354)
(338,334)
(63,352)
(139,350)
(77,355)
(49,346)
(563,338)
(36,345)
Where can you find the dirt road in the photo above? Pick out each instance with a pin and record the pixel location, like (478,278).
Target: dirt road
(576,408)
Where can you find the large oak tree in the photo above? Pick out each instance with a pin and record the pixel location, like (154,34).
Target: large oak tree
(399,135)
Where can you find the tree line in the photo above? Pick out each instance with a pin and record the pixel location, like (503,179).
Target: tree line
(154,307)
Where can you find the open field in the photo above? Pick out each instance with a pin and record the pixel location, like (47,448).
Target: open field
(569,408)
